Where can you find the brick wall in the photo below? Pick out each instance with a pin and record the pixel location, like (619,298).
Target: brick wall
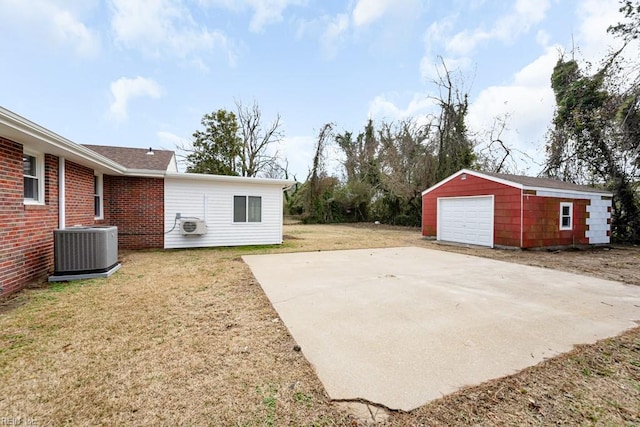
(541,218)
(507,204)
(136,206)
(26,238)
(79,191)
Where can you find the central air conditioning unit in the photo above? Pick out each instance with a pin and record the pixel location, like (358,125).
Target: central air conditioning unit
(83,252)
(192,227)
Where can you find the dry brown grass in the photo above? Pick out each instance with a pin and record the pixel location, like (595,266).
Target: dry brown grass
(188,337)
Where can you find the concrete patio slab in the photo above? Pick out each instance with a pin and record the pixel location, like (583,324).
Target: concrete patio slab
(402,326)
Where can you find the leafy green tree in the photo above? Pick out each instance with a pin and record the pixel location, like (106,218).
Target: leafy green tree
(408,165)
(218,148)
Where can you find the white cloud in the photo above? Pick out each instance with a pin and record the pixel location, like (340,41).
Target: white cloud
(50,21)
(124,89)
(431,68)
(438,32)
(596,15)
(265,12)
(173,139)
(366,12)
(298,150)
(268,12)
(164,27)
(507,28)
(383,107)
(333,31)
(334,34)
(543,38)
(527,101)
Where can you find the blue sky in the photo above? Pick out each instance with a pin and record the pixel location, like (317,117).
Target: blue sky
(142,73)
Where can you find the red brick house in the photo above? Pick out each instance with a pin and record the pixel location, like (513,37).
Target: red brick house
(492,209)
(48,182)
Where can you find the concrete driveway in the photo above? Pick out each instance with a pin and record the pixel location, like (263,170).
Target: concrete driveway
(399,327)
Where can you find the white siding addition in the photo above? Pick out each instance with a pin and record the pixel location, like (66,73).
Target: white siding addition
(212,201)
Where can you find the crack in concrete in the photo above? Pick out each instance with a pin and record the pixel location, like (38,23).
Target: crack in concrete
(375,417)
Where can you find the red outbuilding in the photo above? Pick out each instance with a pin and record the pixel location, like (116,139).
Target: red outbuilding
(503,210)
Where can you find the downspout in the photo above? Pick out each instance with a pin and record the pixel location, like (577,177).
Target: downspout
(521,217)
(61,194)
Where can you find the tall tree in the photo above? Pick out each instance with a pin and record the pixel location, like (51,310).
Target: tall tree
(629,29)
(217,149)
(259,141)
(233,144)
(408,160)
(318,184)
(596,128)
(455,148)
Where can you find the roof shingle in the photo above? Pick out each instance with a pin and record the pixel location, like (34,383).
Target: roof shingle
(135,158)
(529,181)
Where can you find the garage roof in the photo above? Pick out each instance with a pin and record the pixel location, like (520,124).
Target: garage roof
(524,182)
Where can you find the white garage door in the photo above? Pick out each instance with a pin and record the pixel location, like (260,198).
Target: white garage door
(466,220)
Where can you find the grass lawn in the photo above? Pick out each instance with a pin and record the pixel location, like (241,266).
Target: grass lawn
(188,337)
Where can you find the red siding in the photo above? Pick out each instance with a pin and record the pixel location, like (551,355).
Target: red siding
(507,206)
(79,208)
(26,238)
(136,206)
(541,217)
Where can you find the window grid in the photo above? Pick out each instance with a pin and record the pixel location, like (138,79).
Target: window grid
(97,197)
(566,216)
(33,171)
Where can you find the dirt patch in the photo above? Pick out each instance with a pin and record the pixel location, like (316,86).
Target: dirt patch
(188,337)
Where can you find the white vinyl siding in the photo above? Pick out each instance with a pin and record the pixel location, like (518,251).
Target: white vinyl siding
(214,203)
(598,220)
(466,220)
(33,172)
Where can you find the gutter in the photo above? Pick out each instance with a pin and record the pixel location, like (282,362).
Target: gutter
(285,183)
(25,131)
(62,208)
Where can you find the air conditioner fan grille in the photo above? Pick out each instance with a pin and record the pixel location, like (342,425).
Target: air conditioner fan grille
(189,226)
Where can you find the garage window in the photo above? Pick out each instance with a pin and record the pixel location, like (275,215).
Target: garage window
(566,216)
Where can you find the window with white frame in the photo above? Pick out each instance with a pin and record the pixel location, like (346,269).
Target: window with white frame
(33,172)
(97,196)
(566,216)
(247,209)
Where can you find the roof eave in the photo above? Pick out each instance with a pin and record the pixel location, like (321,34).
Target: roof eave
(568,191)
(473,173)
(285,183)
(145,173)
(26,132)
(516,185)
